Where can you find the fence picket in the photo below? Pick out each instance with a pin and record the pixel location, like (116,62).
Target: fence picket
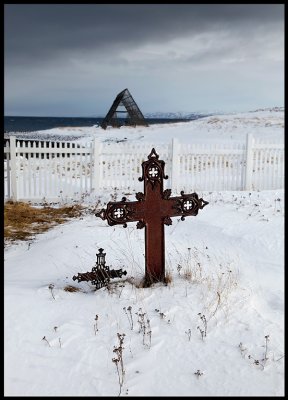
(7,174)
(24,169)
(274,170)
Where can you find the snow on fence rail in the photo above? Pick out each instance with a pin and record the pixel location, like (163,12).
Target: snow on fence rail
(55,171)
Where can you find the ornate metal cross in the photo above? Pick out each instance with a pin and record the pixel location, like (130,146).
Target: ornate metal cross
(101,273)
(153,209)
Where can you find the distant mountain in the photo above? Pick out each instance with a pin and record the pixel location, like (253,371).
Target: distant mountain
(176,115)
(200,114)
(270,109)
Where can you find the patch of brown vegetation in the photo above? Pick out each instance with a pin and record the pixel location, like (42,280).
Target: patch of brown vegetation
(22,221)
(72,289)
(168,278)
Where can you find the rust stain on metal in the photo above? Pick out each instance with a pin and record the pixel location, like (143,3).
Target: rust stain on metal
(153,209)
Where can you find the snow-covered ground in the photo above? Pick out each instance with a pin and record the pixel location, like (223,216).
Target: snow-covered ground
(227,280)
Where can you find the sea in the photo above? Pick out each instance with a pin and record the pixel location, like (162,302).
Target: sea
(35,124)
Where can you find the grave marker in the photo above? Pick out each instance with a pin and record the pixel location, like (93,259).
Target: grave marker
(153,209)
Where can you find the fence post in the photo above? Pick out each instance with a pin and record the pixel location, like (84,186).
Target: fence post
(249,162)
(96,170)
(175,164)
(14,194)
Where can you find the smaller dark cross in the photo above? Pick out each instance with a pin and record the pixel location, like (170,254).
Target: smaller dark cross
(101,273)
(153,209)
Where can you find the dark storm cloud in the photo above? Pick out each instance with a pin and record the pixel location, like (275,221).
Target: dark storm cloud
(71,59)
(36,33)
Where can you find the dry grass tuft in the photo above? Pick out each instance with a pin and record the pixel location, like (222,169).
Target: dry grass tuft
(168,278)
(188,274)
(72,289)
(22,221)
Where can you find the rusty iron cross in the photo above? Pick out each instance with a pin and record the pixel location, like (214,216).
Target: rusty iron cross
(153,209)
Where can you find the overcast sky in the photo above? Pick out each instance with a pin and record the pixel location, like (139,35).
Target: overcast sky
(72,59)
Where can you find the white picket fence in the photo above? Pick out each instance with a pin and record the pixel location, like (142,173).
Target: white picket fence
(56,171)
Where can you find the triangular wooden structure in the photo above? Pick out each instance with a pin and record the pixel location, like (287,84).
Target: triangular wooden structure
(134,115)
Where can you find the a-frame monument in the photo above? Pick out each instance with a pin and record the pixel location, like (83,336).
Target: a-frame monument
(133,114)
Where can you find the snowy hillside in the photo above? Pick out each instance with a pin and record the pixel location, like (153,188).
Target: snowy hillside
(191,115)
(266,124)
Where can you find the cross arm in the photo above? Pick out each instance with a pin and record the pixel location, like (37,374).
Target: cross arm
(121,212)
(186,205)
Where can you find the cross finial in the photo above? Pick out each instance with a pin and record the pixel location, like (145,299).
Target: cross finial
(153,154)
